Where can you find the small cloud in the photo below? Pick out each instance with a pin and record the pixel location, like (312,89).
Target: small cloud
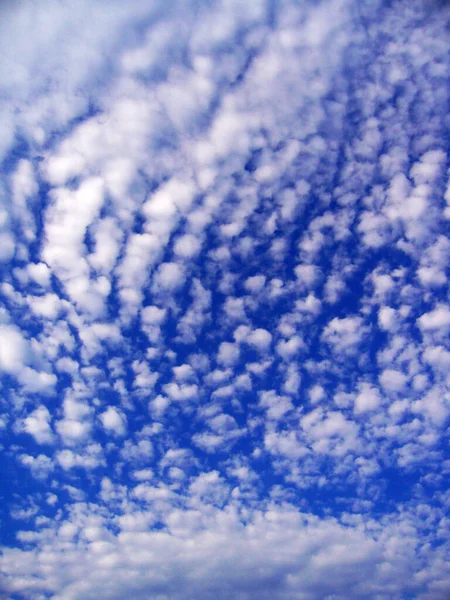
(169,277)
(187,246)
(37,424)
(228,354)
(114,421)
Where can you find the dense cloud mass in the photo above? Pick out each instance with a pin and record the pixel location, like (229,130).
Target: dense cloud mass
(224,308)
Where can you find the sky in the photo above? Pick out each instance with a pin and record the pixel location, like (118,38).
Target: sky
(224,300)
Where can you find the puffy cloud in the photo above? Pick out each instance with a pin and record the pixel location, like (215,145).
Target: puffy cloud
(310,553)
(437,319)
(368,399)
(387,318)
(316,394)
(153,315)
(179,392)
(344,335)
(68,218)
(438,357)
(392,380)
(288,348)
(197,316)
(187,246)
(169,276)
(13,349)
(276,405)
(38,425)
(260,338)
(114,421)
(255,284)
(228,354)
(45,306)
(91,458)
(73,431)
(183,372)
(40,273)
(40,466)
(36,381)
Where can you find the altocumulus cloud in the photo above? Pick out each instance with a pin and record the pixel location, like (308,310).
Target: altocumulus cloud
(224,308)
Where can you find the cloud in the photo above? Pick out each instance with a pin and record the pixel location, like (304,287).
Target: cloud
(321,548)
(181,392)
(255,284)
(169,276)
(40,466)
(392,380)
(368,398)
(13,349)
(437,319)
(224,302)
(114,421)
(187,246)
(228,354)
(73,431)
(37,381)
(40,273)
(37,424)
(344,335)
(259,338)
(91,458)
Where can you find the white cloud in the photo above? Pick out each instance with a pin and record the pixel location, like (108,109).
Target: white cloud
(159,404)
(114,421)
(334,547)
(293,380)
(37,424)
(392,380)
(40,466)
(108,237)
(36,381)
(47,306)
(345,334)
(288,348)
(387,318)
(367,400)
(169,276)
(181,392)
(431,276)
(187,246)
(228,354)
(437,319)
(197,316)
(260,339)
(40,273)
(276,405)
(7,246)
(235,308)
(13,349)
(150,152)
(175,195)
(91,458)
(316,394)
(183,372)
(67,219)
(438,357)
(255,284)
(73,431)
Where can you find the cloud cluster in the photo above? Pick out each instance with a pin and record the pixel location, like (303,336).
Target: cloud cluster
(224,308)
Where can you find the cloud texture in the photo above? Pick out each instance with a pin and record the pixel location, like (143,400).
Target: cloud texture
(224,308)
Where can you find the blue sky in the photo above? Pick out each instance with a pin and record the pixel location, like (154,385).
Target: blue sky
(224,300)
